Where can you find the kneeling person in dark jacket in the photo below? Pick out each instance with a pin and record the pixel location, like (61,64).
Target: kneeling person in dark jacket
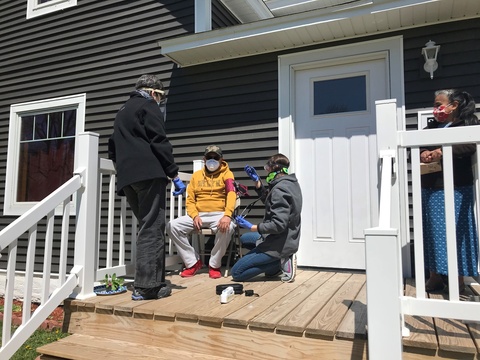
(279,232)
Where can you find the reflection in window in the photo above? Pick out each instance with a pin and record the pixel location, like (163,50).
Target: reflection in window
(47,148)
(339,95)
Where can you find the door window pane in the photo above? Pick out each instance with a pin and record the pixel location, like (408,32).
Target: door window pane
(340,95)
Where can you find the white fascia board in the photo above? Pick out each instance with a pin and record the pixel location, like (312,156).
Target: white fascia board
(271,26)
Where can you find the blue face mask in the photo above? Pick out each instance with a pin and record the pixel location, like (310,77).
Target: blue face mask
(212,164)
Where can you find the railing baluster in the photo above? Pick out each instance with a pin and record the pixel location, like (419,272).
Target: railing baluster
(450,222)
(47,258)
(9,291)
(417,223)
(62,267)
(110,221)
(29,269)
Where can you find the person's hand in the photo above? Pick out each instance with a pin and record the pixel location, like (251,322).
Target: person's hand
(180,187)
(251,172)
(197,223)
(224,224)
(242,222)
(431,156)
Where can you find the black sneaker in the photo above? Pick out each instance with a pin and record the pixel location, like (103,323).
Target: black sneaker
(164,292)
(151,293)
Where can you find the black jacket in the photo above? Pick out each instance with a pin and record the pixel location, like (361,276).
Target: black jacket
(139,145)
(280,227)
(462,163)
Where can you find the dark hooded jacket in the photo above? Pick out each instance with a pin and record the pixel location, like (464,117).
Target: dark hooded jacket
(139,146)
(280,227)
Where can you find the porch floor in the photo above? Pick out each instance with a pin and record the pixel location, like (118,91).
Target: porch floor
(322,315)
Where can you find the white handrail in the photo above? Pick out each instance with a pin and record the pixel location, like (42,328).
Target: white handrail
(38,212)
(383,250)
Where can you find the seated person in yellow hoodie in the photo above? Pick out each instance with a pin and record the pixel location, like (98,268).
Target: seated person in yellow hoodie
(210,203)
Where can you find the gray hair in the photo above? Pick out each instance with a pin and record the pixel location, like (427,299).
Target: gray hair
(466,104)
(148,81)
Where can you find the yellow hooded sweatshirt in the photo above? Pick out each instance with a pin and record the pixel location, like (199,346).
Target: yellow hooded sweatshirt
(211,191)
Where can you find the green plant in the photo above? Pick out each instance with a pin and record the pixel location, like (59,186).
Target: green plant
(15,308)
(112,282)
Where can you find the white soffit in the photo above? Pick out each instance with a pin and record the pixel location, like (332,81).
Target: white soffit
(313,27)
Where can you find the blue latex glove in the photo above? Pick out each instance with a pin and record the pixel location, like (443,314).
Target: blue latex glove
(242,222)
(180,187)
(252,173)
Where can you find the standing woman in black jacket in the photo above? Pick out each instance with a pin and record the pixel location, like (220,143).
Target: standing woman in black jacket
(452,108)
(144,161)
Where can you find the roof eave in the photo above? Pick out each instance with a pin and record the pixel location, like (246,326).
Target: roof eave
(297,30)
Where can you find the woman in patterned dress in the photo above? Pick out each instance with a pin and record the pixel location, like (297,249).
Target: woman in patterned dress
(452,108)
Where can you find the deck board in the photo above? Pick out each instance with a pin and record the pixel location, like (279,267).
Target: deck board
(269,318)
(215,314)
(326,322)
(422,329)
(321,309)
(354,324)
(243,316)
(453,335)
(297,320)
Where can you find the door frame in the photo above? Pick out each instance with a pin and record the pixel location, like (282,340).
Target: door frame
(290,63)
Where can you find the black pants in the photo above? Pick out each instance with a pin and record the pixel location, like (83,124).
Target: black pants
(147,200)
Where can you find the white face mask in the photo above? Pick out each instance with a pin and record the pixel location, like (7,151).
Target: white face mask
(212,164)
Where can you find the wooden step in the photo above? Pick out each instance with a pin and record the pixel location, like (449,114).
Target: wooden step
(86,347)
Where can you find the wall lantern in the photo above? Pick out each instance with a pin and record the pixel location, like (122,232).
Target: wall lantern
(430,52)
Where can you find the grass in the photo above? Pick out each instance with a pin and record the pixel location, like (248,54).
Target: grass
(28,351)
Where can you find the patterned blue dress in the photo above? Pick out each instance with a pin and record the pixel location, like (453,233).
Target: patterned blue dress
(434,231)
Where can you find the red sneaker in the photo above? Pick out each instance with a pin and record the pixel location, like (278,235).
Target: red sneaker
(214,273)
(192,270)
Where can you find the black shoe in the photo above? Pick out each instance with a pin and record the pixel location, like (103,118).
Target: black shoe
(164,292)
(151,293)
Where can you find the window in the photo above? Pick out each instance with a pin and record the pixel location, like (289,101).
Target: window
(41,149)
(340,95)
(42,7)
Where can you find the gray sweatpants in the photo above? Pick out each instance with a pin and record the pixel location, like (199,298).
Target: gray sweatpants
(180,228)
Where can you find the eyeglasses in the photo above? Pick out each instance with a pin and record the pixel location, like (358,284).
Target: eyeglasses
(215,157)
(157,91)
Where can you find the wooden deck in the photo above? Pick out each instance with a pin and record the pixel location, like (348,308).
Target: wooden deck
(322,315)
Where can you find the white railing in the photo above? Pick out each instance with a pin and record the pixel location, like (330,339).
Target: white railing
(121,228)
(385,298)
(79,282)
(115,231)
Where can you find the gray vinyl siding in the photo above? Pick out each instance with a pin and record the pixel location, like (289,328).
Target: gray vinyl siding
(101,47)
(97,47)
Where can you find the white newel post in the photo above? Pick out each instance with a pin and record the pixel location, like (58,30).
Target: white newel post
(383,299)
(86,228)
(383,249)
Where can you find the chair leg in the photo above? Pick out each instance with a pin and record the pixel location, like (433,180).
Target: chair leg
(230,250)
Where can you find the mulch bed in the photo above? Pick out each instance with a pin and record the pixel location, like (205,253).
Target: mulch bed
(54,321)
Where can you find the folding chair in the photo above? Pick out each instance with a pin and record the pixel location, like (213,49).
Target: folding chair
(241,190)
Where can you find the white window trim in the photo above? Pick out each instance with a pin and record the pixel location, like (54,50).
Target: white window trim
(34,9)
(11,206)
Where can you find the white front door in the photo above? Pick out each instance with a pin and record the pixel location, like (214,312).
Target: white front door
(336,156)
